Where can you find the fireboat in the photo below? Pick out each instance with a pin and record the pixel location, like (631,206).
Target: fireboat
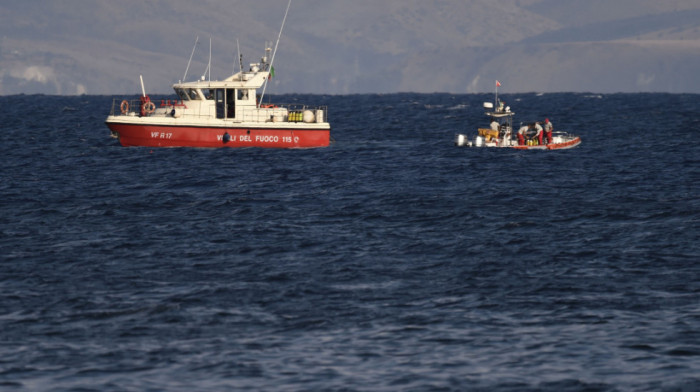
(223,113)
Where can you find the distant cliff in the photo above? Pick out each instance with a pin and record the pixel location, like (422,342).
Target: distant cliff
(359,46)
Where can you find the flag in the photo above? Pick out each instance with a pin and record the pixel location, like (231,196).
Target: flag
(498,84)
(272,73)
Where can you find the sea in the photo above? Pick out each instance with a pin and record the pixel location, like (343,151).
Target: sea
(391,260)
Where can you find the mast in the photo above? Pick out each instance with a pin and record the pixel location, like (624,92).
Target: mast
(272,60)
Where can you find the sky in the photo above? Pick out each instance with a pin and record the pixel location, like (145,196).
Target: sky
(70,47)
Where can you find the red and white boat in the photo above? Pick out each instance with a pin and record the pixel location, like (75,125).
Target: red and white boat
(501,133)
(224,113)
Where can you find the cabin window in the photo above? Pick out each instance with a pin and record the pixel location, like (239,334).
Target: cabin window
(242,95)
(193,94)
(181,94)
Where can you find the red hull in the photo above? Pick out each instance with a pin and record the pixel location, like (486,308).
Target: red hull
(209,137)
(554,146)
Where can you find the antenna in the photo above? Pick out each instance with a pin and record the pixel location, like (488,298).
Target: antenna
(240,57)
(209,66)
(275,52)
(496,99)
(235,57)
(143,89)
(498,84)
(184,78)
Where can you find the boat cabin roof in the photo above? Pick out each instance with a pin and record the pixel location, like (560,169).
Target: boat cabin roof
(240,80)
(500,114)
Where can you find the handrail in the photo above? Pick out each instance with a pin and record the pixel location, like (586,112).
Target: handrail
(293,112)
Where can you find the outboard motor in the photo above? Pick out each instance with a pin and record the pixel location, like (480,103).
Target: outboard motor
(460,140)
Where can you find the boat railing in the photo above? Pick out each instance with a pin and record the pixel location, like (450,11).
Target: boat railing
(177,108)
(286,113)
(140,107)
(563,134)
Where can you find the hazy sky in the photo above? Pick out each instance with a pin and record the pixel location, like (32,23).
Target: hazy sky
(359,46)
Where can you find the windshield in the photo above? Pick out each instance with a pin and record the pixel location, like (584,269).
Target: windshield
(193,94)
(181,94)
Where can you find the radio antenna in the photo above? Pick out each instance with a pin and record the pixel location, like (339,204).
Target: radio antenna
(184,78)
(209,66)
(240,57)
(272,60)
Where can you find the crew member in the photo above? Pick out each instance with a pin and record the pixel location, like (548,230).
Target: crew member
(521,134)
(548,128)
(494,124)
(539,133)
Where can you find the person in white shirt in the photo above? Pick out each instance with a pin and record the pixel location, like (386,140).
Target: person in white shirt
(548,128)
(494,124)
(521,135)
(539,133)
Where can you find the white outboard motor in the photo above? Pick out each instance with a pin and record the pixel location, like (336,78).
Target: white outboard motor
(479,141)
(460,140)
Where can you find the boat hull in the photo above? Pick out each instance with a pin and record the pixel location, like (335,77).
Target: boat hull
(553,146)
(560,143)
(144,135)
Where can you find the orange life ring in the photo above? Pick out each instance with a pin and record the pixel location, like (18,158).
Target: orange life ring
(125,107)
(149,107)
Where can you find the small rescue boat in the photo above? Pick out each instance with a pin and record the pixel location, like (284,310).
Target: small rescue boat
(528,137)
(224,113)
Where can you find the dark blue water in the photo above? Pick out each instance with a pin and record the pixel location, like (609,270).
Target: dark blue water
(390,261)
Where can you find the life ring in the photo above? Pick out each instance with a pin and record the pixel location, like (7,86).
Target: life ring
(125,107)
(268,106)
(149,107)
